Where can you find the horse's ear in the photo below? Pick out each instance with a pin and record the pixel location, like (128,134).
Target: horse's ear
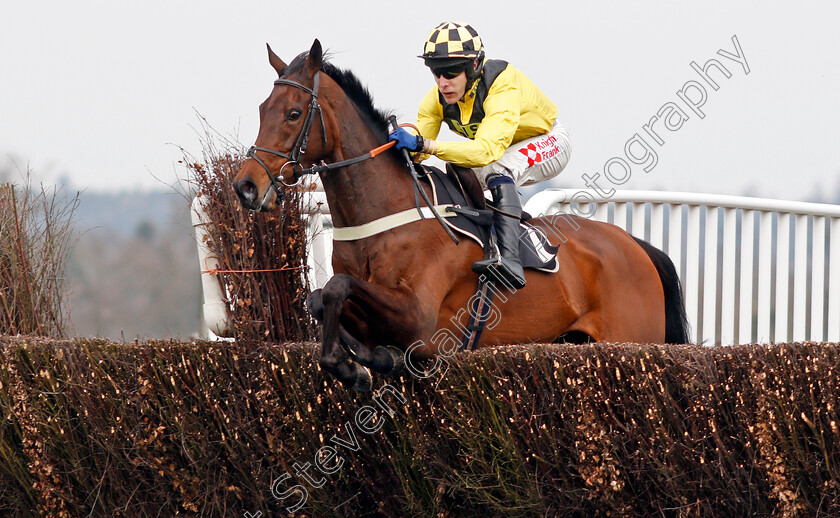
(275,60)
(316,56)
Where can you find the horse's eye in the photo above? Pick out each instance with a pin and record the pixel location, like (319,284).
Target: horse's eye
(293,114)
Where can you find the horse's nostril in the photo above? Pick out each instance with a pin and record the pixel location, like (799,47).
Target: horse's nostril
(247,189)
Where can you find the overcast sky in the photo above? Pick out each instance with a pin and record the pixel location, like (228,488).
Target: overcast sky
(103,92)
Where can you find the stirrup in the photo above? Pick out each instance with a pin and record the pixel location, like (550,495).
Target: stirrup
(483,266)
(496,269)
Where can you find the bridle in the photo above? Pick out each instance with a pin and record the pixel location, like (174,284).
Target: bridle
(302,142)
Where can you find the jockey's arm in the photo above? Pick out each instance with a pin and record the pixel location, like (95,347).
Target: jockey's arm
(430,115)
(429,119)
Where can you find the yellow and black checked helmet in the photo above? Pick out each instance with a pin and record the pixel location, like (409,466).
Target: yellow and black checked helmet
(452,43)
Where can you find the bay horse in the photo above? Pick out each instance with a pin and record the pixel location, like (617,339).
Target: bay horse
(397,288)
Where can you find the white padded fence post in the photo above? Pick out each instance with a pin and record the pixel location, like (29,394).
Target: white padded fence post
(215,308)
(320,251)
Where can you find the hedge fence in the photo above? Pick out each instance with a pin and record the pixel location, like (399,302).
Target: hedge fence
(96,428)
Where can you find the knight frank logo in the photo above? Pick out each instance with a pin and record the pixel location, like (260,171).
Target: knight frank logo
(540,150)
(531,152)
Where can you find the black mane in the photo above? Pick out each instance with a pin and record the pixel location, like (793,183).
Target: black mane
(352,86)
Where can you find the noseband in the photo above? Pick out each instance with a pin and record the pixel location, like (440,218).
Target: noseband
(302,141)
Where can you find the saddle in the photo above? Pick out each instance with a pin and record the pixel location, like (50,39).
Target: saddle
(460,187)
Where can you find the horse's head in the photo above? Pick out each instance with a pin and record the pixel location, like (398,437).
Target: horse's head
(292,132)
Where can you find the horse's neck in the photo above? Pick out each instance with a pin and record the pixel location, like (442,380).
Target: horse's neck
(368,190)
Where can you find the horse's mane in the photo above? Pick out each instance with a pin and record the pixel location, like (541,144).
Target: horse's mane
(352,86)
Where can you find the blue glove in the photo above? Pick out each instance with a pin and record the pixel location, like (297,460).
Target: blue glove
(406,140)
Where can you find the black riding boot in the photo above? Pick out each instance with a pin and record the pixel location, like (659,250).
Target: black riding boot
(507,265)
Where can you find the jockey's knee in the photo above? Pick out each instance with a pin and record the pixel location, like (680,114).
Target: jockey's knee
(490,171)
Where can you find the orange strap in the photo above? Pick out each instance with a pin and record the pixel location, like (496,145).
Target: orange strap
(409,125)
(216,271)
(383,147)
(389,145)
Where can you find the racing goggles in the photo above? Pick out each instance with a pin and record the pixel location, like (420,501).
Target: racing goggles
(450,72)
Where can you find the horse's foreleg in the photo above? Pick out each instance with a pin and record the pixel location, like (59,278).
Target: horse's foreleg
(395,312)
(348,372)
(315,305)
(385,360)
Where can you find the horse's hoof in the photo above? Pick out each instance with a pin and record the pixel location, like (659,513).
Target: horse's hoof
(394,359)
(364,381)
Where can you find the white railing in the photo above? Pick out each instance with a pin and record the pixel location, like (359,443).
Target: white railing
(753,270)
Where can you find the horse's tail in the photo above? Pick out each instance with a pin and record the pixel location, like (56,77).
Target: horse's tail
(676,322)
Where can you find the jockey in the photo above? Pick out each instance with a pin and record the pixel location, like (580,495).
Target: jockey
(514,137)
